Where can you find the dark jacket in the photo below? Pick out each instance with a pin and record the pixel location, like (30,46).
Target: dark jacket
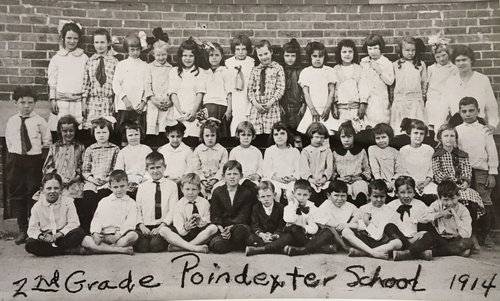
(221,211)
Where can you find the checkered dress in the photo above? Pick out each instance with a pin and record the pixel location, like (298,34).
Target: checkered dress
(99,161)
(100,98)
(274,90)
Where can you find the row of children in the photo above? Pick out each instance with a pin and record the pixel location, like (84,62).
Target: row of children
(236,90)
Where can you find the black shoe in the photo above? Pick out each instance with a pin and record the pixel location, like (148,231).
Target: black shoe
(21,238)
(250,251)
(328,249)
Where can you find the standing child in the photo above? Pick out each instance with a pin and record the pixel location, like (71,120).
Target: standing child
(281,161)
(128,85)
(175,153)
(186,87)
(351,165)
(385,161)
(113,226)
(377,75)
(410,75)
(347,104)
(316,162)
(318,83)
(66,70)
(241,65)
(25,134)
(97,91)
(53,227)
(475,139)
(209,157)
(248,155)
(292,104)
(98,161)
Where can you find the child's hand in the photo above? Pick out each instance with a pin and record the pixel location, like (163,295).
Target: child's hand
(326,114)
(375,67)
(362,111)
(266,237)
(97,238)
(315,115)
(144,229)
(84,108)
(100,182)
(255,177)
(191,116)
(167,103)
(155,101)
(285,179)
(54,107)
(140,107)
(420,186)
(229,114)
(340,227)
(128,104)
(335,112)
(367,217)
(260,108)
(114,238)
(490,181)
(156,231)
(226,232)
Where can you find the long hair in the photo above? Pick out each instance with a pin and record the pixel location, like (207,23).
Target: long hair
(190,45)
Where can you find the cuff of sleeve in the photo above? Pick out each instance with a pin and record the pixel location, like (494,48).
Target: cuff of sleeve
(364,177)
(361,225)
(493,171)
(52,93)
(64,231)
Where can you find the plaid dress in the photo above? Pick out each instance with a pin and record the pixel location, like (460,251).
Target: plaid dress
(100,98)
(99,162)
(274,90)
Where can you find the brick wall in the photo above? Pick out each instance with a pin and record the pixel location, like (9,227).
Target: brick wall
(28,28)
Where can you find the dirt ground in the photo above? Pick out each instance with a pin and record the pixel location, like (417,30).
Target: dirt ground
(208,276)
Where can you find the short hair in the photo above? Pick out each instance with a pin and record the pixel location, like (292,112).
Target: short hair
(377,184)
(51,176)
(440,48)
(447,189)
(131,40)
(102,32)
(221,50)
(447,127)
(179,127)
(348,44)
(404,180)
(374,39)
(281,126)
(70,26)
(347,128)
(462,50)
(210,125)
(24,91)
(191,178)
(316,46)
(468,100)
(154,157)
(159,45)
(232,164)
(266,185)
(405,125)
(130,125)
(292,47)
(337,186)
(67,119)
(118,175)
(263,43)
(245,126)
(303,185)
(241,39)
(317,128)
(383,128)
(419,125)
(101,123)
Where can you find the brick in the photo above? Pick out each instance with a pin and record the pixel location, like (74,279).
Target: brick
(99,14)
(133,6)
(270,1)
(34,55)
(46,46)
(220,17)
(324,25)
(74,12)
(346,9)
(268,34)
(173,16)
(260,9)
(219,33)
(194,32)
(490,54)
(327,9)
(44,29)
(3,9)
(243,17)
(184,24)
(277,25)
(197,17)
(312,17)
(159,7)
(231,25)
(229,8)
(222,2)
(455,14)
(311,34)
(266,17)
(10,71)
(301,25)
(254,25)
(478,13)
(15,62)
(40,63)
(446,23)
(489,21)
(150,16)
(17,80)
(6,18)
(420,23)
(18,28)
(126,15)
(207,8)
(358,17)
(20,46)
(476,30)
(396,24)
(85,5)
(383,16)
(289,17)
(336,17)
(34,19)
(467,22)
(466,39)
(288,33)
(32,72)
(347,25)
(405,16)
(114,23)
(429,15)
(455,30)
(375,25)
(52,11)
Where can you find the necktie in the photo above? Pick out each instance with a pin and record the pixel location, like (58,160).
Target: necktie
(240,81)
(25,138)
(100,72)
(402,209)
(195,209)
(302,209)
(52,219)
(263,80)
(157,201)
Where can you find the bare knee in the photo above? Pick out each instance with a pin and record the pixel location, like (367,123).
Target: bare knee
(212,229)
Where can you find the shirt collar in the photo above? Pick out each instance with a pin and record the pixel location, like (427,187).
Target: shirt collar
(96,56)
(156,64)
(354,150)
(76,53)
(29,116)
(95,145)
(45,203)
(205,148)
(181,147)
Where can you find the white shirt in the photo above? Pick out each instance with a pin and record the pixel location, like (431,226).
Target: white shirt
(473,139)
(208,162)
(380,218)
(129,81)
(281,162)
(176,159)
(219,84)
(66,71)
(306,221)
(146,202)
(408,225)
(250,159)
(183,212)
(37,131)
(317,80)
(417,162)
(132,159)
(332,216)
(114,212)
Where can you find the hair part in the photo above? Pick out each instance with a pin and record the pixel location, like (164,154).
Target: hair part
(377,184)
(374,39)
(118,175)
(447,189)
(191,178)
(241,39)
(337,186)
(266,185)
(245,126)
(404,180)
(317,128)
(67,119)
(383,128)
(232,164)
(316,46)
(154,157)
(468,100)
(281,126)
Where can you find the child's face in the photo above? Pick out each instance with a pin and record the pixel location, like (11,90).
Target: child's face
(52,190)
(469,113)
(264,54)
(442,58)
(382,140)
(347,141)
(463,63)
(134,52)
(119,188)
(25,105)
(101,135)
(156,169)
(133,136)
(190,191)
(209,137)
(449,138)
(408,51)
(374,52)
(317,140)
(101,44)
(214,58)
(338,198)
(302,196)
(317,59)
(175,139)
(417,136)
(405,194)
(240,52)
(449,202)
(377,198)
(68,132)
(346,54)
(245,138)
(280,137)
(290,58)
(71,40)
(266,197)
(188,58)
(160,55)
(232,177)
(297,142)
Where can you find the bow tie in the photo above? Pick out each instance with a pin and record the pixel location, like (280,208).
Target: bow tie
(302,209)
(402,209)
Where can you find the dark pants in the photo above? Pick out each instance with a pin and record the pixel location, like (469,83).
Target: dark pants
(86,206)
(391,232)
(24,175)
(484,224)
(41,248)
(150,243)
(318,197)
(237,241)
(439,245)
(294,235)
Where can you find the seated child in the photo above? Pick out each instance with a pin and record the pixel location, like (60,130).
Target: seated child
(115,219)
(450,225)
(230,209)
(54,226)
(267,219)
(370,233)
(175,153)
(248,155)
(156,199)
